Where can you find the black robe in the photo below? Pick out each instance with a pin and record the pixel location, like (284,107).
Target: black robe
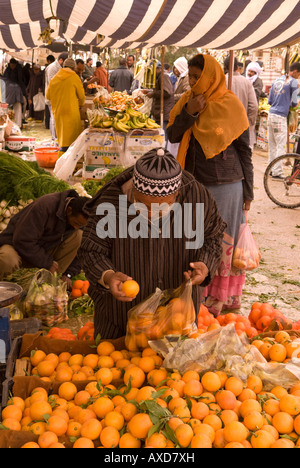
(152,262)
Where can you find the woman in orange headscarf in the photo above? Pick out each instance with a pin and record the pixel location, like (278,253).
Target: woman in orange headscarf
(211,125)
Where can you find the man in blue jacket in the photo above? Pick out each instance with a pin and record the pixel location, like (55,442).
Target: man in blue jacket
(283,95)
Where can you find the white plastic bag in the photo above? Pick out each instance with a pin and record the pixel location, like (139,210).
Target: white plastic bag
(173,148)
(38,102)
(66,164)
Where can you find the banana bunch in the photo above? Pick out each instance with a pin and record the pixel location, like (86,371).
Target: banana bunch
(99,121)
(124,122)
(263,105)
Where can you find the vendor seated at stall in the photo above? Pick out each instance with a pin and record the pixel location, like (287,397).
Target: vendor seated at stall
(45,234)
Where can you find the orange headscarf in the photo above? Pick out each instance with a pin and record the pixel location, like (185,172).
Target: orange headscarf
(222,120)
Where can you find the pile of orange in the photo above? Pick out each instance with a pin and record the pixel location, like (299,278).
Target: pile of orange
(58,333)
(262,315)
(207,322)
(85,333)
(280,348)
(79,288)
(207,410)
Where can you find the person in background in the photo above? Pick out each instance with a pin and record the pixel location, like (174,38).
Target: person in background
(15,89)
(50,72)
(45,234)
(66,94)
(121,79)
(173,77)
(252,74)
(182,84)
(245,66)
(212,126)
(244,90)
(153,261)
(283,95)
(49,59)
(131,63)
(100,76)
(240,67)
(89,69)
(26,73)
(80,67)
(155,94)
(34,87)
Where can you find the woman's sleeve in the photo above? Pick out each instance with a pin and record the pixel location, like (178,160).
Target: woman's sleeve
(181,124)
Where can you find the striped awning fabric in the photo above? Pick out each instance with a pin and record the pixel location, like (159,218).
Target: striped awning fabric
(210,24)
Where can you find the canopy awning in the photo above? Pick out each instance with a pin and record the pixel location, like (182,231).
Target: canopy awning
(209,24)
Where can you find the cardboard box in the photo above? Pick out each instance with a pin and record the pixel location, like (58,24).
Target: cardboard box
(262,143)
(105,147)
(94,172)
(139,142)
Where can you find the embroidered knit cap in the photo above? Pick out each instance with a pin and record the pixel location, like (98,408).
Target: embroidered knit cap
(157,173)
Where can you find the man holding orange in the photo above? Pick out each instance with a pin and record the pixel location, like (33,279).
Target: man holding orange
(146,251)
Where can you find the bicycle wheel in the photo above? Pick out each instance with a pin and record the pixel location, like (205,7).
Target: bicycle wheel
(285,191)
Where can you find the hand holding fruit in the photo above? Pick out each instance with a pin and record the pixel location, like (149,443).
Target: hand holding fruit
(198,273)
(115,282)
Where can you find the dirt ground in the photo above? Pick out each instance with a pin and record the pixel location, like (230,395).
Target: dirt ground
(277,233)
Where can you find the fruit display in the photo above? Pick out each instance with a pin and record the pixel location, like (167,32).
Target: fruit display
(117,101)
(122,122)
(114,398)
(264,317)
(264,106)
(281,347)
(85,333)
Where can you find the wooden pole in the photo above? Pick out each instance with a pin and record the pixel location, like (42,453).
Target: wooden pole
(231,68)
(107,69)
(162,86)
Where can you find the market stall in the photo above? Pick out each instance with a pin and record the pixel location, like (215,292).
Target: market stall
(231,381)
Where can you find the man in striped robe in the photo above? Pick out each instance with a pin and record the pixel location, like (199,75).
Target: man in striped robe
(154,261)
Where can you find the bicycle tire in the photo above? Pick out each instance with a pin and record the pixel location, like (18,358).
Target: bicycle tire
(267,178)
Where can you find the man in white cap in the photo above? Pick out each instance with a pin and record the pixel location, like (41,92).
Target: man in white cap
(182,84)
(111,257)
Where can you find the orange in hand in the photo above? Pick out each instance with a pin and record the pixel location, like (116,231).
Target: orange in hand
(130,288)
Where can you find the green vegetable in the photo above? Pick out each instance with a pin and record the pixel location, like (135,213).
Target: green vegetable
(24,180)
(92,186)
(83,305)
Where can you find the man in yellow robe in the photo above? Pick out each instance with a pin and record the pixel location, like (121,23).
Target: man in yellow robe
(66,94)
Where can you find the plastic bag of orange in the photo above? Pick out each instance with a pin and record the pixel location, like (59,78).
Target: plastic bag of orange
(170,312)
(176,313)
(141,320)
(246,255)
